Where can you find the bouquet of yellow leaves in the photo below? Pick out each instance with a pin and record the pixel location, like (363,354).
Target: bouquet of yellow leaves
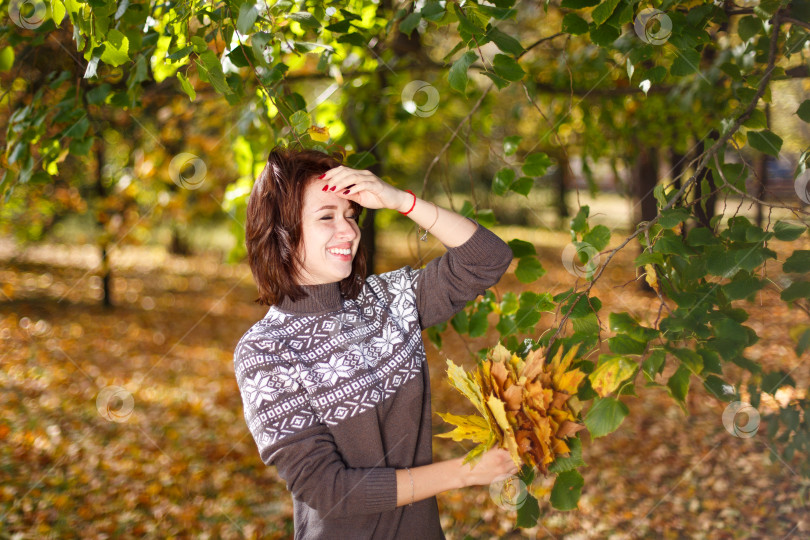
(526,406)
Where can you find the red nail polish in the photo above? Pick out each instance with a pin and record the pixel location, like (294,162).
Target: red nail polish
(346,192)
(321,176)
(332,188)
(325,187)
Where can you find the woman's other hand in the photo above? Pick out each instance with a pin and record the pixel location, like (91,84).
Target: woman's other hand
(364,188)
(495,463)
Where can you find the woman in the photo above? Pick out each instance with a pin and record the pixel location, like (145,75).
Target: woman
(333,379)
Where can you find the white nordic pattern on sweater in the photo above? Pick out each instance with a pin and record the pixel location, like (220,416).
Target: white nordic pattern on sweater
(297,371)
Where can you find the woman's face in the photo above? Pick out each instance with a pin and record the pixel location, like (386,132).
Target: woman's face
(328,222)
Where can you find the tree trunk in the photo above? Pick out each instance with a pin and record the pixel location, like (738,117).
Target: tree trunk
(644,182)
(762,172)
(563,179)
(106,273)
(645,178)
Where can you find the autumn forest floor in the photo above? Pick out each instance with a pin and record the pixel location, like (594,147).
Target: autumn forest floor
(182,463)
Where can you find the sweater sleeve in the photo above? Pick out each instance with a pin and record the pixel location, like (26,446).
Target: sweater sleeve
(290,435)
(445,285)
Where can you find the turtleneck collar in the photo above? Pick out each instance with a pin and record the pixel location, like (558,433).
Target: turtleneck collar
(320,298)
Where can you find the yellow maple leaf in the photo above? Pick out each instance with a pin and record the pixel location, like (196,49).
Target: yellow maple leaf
(471,427)
(499,412)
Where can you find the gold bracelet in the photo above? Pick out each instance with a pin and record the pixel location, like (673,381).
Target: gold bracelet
(411,477)
(424,236)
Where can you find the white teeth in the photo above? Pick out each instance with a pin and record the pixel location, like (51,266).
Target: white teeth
(340,251)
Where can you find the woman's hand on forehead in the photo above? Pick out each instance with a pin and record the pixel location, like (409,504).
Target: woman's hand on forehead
(363,187)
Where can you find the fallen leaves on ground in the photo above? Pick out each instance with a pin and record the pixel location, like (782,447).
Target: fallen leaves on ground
(182,463)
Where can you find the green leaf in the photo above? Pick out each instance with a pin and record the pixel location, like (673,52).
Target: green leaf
(690,359)
(503,179)
(300,121)
(505,42)
(742,287)
(507,67)
(509,303)
(457,75)
(6,58)
(804,110)
(604,35)
(678,383)
(574,24)
(340,27)
(213,68)
(798,262)
(720,388)
(757,120)
(567,490)
(116,48)
(672,217)
(624,344)
(686,62)
(247,16)
(624,323)
(578,4)
(701,236)
(521,248)
(603,11)
(773,381)
(605,416)
(461,322)
(797,290)
(787,232)
(478,324)
(536,164)
(529,269)
(653,364)
(598,237)
(410,22)
(305,19)
(579,223)
(522,185)
(748,27)
(510,144)
(186,85)
(528,513)
(803,343)
(648,258)
(765,141)
(572,461)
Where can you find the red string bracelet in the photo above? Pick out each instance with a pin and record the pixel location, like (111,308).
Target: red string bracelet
(412,206)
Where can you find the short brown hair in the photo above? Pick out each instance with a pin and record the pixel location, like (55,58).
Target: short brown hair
(273,230)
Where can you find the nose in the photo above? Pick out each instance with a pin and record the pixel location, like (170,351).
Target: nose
(347,229)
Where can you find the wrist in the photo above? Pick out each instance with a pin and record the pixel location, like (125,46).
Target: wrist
(406,202)
(464,471)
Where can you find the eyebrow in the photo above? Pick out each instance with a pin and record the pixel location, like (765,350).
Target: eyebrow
(327,207)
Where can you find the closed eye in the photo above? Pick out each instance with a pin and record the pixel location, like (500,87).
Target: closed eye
(330,217)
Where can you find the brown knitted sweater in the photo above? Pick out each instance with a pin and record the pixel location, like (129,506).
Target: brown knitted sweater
(336,391)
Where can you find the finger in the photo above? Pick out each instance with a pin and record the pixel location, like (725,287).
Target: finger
(337,175)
